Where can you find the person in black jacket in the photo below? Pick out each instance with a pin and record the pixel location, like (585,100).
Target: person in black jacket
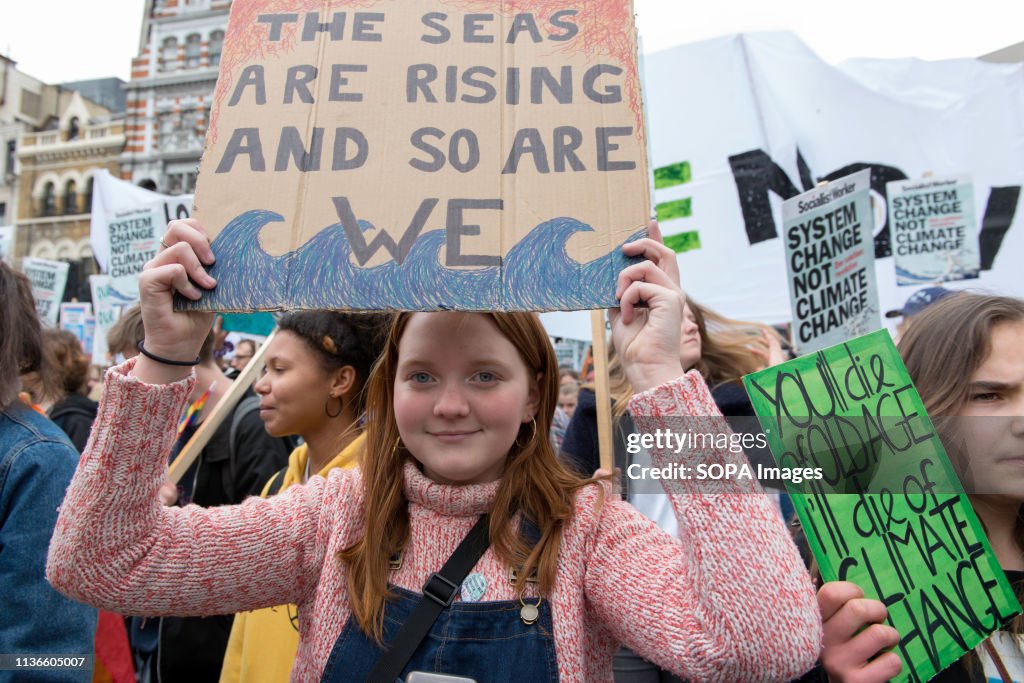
(73,412)
(238,459)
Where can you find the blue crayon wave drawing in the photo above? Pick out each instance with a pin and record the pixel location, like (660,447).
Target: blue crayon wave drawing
(536,274)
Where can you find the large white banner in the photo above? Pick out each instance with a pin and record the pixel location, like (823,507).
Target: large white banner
(740,123)
(114,199)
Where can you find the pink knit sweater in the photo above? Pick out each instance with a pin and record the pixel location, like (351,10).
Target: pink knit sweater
(730,600)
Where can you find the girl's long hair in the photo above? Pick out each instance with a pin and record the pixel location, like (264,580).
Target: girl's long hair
(534,484)
(725,354)
(948,341)
(943,347)
(21,339)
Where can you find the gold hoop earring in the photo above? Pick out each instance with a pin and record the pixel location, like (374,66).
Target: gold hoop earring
(394,449)
(327,403)
(533,421)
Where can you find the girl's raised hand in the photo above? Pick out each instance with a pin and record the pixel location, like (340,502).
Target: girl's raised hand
(179,266)
(653,249)
(647,339)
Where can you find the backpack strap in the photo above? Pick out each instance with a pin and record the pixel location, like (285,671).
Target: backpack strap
(275,483)
(247,405)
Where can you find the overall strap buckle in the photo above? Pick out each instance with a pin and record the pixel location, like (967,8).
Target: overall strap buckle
(440,590)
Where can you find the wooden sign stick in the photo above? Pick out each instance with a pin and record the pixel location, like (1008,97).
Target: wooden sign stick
(604,402)
(219,413)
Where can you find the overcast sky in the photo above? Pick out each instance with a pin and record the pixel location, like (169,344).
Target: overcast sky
(65,40)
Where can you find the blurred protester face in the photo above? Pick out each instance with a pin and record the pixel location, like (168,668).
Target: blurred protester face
(689,340)
(995,445)
(243,354)
(568,396)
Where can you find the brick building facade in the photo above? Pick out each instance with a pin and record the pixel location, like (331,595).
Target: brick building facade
(168,105)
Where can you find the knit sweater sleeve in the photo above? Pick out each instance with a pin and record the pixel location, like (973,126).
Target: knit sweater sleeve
(116,547)
(730,600)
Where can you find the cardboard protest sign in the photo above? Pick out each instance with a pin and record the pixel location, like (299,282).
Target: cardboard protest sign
(134,238)
(425,154)
(74,318)
(830,262)
(48,280)
(108,304)
(880,503)
(933,230)
(6,242)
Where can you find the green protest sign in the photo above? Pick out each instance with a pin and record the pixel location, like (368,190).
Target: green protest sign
(885,508)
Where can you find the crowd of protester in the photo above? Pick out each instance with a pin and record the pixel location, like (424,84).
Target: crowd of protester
(300,538)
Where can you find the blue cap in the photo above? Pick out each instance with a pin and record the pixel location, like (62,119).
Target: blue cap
(920,300)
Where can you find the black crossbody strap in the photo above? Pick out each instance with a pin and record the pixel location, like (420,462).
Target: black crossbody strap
(438,593)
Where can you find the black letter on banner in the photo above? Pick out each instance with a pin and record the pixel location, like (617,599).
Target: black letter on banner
(276,21)
(471,27)
(604,145)
(252,147)
(611,94)
(455,229)
(436,155)
(291,146)
(455,158)
(414,81)
(433,20)
(561,89)
(524,22)
(756,175)
(567,140)
(341,138)
(571,29)
(362,28)
(251,75)
(338,82)
(363,251)
(519,148)
(489,92)
(313,26)
(297,81)
(999,212)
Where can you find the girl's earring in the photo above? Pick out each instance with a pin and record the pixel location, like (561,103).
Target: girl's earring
(327,405)
(533,422)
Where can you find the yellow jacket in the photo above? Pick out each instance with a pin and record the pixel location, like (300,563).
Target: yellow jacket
(263,642)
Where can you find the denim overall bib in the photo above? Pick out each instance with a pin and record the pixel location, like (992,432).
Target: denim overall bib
(485,641)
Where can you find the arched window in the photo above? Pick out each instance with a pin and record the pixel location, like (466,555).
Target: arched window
(73,128)
(48,205)
(70,197)
(192,50)
(87,199)
(216,47)
(169,54)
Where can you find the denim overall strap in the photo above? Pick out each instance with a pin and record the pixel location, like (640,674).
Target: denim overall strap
(438,593)
(485,641)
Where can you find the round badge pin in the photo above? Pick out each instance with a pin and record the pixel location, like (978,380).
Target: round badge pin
(474,587)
